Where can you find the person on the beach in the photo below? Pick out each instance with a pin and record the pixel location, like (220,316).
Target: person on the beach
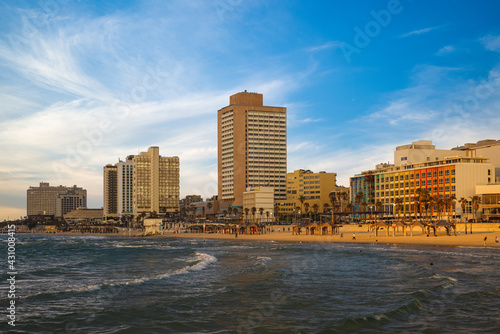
(354,236)
(341,235)
(496,239)
(484,240)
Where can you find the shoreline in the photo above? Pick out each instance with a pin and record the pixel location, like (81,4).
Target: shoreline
(476,239)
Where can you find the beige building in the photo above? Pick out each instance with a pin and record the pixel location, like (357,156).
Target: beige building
(69,201)
(259,198)
(41,201)
(156,182)
(421,151)
(490,200)
(315,187)
(424,151)
(251,147)
(84,214)
(488,148)
(144,183)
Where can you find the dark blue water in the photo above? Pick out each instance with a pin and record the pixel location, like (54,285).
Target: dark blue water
(116,285)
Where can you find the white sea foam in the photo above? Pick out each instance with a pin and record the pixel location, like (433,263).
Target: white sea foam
(201,260)
(263,259)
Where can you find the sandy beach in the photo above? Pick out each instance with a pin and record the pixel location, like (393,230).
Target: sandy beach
(476,239)
(283,234)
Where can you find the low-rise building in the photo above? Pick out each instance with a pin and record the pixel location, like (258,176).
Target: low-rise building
(490,200)
(305,186)
(84,214)
(449,177)
(258,204)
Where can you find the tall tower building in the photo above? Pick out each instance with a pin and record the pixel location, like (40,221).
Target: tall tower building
(251,147)
(110,198)
(125,186)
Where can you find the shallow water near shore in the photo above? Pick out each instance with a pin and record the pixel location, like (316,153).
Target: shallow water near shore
(99,284)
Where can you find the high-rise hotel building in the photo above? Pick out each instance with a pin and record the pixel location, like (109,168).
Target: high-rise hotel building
(251,147)
(110,183)
(146,182)
(47,200)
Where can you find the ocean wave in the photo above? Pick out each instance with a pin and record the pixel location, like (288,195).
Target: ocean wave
(143,246)
(263,259)
(446,281)
(202,261)
(351,324)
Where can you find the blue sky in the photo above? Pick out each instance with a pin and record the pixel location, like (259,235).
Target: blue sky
(83,83)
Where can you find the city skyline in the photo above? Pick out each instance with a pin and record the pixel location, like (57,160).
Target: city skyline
(84,84)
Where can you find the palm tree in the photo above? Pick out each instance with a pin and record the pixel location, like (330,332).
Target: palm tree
(463,205)
(297,210)
(476,200)
(253,210)
(424,199)
(440,206)
(349,207)
(364,205)
(261,212)
(344,198)
(359,198)
(325,207)
(378,206)
(246,214)
(399,203)
(276,210)
(453,200)
(315,208)
(301,200)
(209,206)
(446,205)
(306,208)
(333,200)
(267,216)
(430,205)
(417,204)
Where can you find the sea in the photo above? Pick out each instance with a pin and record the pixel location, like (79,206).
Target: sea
(100,284)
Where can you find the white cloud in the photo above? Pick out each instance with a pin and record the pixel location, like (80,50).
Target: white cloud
(326,46)
(420,31)
(445,50)
(491,42)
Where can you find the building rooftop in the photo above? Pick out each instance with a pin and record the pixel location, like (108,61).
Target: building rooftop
(481,143)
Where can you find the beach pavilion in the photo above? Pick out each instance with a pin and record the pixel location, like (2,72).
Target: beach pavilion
(328,228)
